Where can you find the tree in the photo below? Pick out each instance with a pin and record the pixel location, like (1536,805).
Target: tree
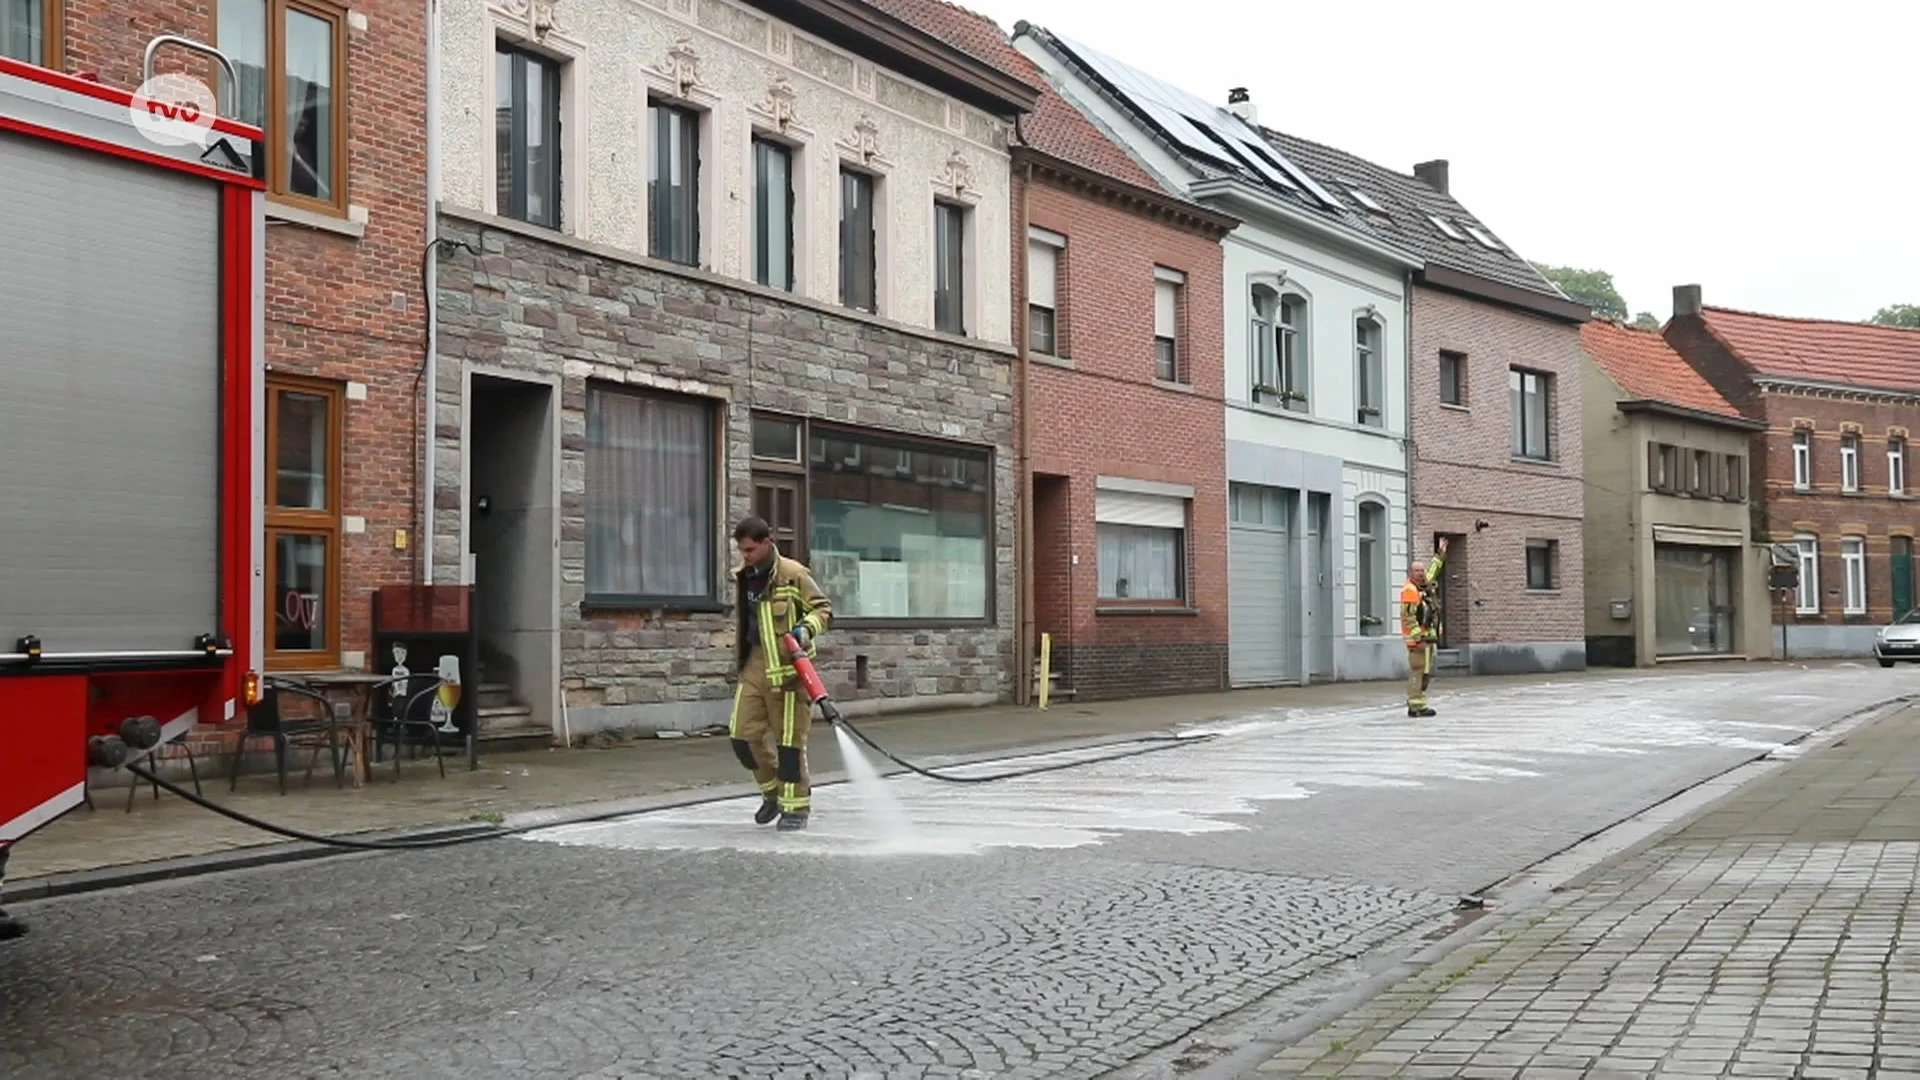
(1593,288)
(1907,315)
(1645,321)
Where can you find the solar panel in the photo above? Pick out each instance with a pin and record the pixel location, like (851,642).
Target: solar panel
(1201,126)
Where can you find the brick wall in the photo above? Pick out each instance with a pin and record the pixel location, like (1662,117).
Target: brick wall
(1464,471)
(332,309)
(1098,411)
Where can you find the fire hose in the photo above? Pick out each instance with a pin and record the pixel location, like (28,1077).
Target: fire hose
(810,684)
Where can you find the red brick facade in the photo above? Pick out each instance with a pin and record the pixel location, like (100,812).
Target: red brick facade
(1098,411)
(1822,510)
(1465,472)
(342,309)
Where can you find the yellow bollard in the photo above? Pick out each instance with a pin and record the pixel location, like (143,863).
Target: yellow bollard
(1046,668)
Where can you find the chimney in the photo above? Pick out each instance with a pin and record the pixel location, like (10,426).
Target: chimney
(1434,173)
(1240,104)
(1686,300)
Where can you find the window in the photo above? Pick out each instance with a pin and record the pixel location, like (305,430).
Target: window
(1169,287)
(1703,482)
(1371,552)
(898,529)
(1541,557)
(1896,466)
(1279,365)
(950,268)
(1802,460)
(291,56)
(1807,602)
(30,31)
(303,524)
(1736,489)
(1853,568)
(526,109)
(651,480)
(1043,269)
(858,265)
(673,185)
(1663,467)
(1849,463)
(1142,546)
(772,214)
(1453,378)
(1531,408)
(1369,373)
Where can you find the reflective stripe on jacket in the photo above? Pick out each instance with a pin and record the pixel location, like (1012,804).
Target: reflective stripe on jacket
(1419,618)
(791,597)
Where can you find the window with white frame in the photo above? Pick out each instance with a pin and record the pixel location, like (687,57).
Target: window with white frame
(526,91)
(652,473)
(1168,285)
(1802,460)
(1853,569)
(1370,379)
(1371,559)
(859,258)
(1807,600)
(772,213)
(949,267)
(1278,354)
(673,184)
(1044,249)
(1530,392)
(1849,463)
(1142,547)
(1896,466)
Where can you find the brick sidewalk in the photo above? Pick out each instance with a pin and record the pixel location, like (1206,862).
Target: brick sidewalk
(1769,937)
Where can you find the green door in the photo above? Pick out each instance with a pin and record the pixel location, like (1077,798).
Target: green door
(1902,575)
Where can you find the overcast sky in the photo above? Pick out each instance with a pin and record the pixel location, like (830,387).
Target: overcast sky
(1765,151)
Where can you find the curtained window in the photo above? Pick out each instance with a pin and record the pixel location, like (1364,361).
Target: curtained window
(291,59)
(651,516)
(1141,546)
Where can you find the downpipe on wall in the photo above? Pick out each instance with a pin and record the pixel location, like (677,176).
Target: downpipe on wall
(423,484)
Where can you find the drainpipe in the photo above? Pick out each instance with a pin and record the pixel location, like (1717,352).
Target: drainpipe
(423,489)
(1025,638)
(1413,527)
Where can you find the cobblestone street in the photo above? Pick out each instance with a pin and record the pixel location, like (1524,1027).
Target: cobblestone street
(1054,926)
(1771,937)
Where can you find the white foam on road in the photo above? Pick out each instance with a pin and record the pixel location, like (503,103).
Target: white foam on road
(1485,736)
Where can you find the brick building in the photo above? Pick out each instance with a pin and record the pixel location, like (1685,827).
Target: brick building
(1495,370)
(346,224)
(1840,402)
(1127,568)
(723,258)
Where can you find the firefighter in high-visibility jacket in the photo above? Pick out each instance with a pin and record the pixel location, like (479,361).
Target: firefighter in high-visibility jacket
(777,595)
(1420,626)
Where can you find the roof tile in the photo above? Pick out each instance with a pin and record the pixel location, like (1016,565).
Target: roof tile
(1646,367)
(1820,350)
(1055,127)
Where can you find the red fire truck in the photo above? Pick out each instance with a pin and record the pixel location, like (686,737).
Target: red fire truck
(131,342)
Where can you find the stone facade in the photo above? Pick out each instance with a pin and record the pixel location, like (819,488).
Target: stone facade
(343,293)
(1465,473)
(538,303)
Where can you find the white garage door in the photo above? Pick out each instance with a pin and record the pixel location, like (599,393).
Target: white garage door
(1261,648)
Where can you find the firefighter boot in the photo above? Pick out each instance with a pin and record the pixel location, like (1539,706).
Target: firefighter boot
(793,821)
(769,809)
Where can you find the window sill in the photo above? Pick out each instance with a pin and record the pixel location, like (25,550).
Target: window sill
(1538,463)
(1062,362)
(1454,407)
(1143,609)
(1175,387)
(613,604)
(1543,592)
(353,226)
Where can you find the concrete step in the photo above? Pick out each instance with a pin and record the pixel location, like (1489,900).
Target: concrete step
(503,718)
(525,737)
(494,695)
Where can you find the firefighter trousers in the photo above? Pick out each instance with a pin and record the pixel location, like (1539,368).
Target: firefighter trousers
(769,732)
(1419,674)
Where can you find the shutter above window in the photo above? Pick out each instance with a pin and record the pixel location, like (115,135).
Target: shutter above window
(1131,508)
(1163,309)
(1042,261)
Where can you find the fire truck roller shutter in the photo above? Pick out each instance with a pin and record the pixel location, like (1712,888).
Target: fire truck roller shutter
(109,401)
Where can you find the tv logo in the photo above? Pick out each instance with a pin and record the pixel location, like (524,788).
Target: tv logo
(174,109)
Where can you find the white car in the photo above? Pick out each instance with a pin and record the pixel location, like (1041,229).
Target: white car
(1899,640)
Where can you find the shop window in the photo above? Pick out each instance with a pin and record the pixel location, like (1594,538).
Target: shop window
(894,529)
(651,511)
(291,56)
(526,90)
(303,470)
(30,31)
(1142,547)
(1692,599)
